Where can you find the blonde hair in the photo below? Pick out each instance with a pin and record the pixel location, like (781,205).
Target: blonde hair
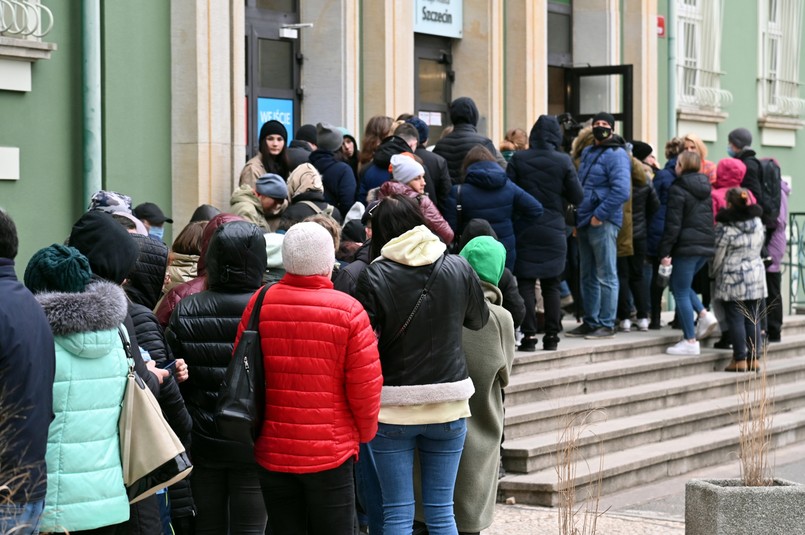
(700,146)
(689,162)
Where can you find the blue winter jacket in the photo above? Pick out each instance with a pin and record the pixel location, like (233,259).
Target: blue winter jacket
(338,179)
(487,193)
(606,179)
(662,183)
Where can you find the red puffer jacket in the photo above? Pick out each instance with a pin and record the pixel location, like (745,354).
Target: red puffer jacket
(323,376)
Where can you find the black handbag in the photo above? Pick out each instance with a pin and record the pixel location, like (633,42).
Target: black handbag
(241,399)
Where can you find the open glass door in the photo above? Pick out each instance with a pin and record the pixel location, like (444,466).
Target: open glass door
(589,90)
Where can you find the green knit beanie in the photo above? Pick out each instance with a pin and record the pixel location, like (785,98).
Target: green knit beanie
(58,268)
(487,256)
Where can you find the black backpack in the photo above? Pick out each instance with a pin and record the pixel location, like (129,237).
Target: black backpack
(770,179)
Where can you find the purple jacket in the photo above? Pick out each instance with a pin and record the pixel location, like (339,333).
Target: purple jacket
(777,242)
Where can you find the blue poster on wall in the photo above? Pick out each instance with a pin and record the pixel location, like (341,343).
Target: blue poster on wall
(276,109)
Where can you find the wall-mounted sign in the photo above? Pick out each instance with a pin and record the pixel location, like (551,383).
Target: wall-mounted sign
(660,26)
(439,17)
(276,109)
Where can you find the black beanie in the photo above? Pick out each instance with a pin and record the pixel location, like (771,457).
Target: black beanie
(641,150)
(57,268)
(740,137)
(307,132)
(604,116)
(205,212)
(275,128)
(109,248)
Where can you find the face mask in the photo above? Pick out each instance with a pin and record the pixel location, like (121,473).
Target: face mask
(731,152)
(156,232)
(602,133)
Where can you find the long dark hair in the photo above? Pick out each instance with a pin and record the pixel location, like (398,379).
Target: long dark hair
(274,164)
(393,216)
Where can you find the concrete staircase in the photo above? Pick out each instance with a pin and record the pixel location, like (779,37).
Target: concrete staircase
(648,415)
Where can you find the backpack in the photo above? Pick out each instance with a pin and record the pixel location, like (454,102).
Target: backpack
(770,179)
(327,211)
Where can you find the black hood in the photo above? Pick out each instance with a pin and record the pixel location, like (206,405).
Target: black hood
(474,228)
(734,214)
(106,244)
(145,280)
(546,133)
(696,183)
(236,258)
(464,111)
(389,147)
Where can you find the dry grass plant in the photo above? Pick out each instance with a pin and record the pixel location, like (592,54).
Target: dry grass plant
(577,517)
(756,415)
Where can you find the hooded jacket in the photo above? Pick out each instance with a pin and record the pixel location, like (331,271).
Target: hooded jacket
(143,289)
(730,177)
(487,193)
(433,218)
(662,183)
(606,177)
(202,331)
(737,266)
(437,177)
(246,204)
(83,454)
(182,268)
(425,365)
(298,152)
(688,219)
(27,363)
(337,177)
(512,300)
(374,175)
(550,177)
(322,376)
(168,303)
(754,172)
(455,146)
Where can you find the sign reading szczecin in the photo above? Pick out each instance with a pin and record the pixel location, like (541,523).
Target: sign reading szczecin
(439,17)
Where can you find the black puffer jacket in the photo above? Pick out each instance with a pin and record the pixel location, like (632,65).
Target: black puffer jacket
(298,152)
(346,279)
(645,204)
(455,146)
(143,287)
(437,177)
(550,177)
(202,331)
(430,351)
(754,173)
(689,218)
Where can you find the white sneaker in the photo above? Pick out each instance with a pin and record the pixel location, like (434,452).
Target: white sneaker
(626,326)
(683,347)
(707,326)
(642,324)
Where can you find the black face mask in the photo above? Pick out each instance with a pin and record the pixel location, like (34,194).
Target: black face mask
(602,133)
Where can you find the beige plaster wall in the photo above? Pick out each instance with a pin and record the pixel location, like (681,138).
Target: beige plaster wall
(640,34)
(526,61)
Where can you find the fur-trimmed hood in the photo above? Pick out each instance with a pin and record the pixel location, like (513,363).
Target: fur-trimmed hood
(102,306)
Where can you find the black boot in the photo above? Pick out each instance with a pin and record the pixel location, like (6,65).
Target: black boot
(550,342)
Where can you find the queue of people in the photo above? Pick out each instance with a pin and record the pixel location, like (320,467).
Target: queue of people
(397,280)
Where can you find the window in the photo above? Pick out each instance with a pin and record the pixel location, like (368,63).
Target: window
(699,55)
(781,26)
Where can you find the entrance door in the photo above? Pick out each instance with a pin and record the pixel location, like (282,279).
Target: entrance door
(590,90)
(272,68)
(434,82)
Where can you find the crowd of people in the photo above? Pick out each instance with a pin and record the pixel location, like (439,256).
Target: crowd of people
(402,277)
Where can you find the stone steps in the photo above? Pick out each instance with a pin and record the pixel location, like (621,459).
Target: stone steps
(647,415)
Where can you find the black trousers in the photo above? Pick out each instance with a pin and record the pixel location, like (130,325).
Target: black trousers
(630,280)
(774,304)
(228,500)
(551,300)
(321,503)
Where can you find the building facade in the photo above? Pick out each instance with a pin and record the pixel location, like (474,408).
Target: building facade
(185,85)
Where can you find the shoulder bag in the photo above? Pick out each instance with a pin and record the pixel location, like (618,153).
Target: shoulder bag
(241,399)
(152,455)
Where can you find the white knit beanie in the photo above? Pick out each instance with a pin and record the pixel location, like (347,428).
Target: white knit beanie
(308,249)
(404,168)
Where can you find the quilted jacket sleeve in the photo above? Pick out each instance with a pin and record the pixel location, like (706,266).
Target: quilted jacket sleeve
(364,378)
(435,221)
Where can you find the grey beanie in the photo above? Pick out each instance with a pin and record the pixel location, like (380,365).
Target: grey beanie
(271,185)
(308,249)
(329,137)
(740,137)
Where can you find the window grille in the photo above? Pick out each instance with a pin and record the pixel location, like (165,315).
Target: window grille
(781,25)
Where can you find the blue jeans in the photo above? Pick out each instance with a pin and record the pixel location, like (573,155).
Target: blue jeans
(367,487)
(743,318)
(439,447)
(598,257)
(688,304)
(21,519)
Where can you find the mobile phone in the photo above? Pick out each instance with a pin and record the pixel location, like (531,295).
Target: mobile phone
(169,365)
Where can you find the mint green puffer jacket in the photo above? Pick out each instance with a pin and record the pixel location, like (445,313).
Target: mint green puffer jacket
(85,487)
